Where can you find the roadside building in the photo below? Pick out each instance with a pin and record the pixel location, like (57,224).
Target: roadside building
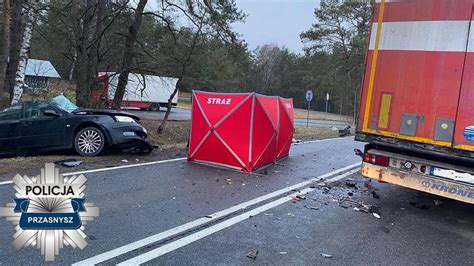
(38,76)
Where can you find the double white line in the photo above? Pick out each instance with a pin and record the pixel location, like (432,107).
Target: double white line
(150,255)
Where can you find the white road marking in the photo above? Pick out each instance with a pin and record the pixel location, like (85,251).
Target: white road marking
(185,227)
(321,140)
(153,254)
(124,166)
(159,162)
(6,182)
(112,168)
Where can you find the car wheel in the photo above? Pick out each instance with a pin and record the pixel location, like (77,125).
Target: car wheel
(90,141)
(154,107)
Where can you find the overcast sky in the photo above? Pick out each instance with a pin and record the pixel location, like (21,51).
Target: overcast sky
(276,21)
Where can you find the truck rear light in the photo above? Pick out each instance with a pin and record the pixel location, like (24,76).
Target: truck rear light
(376,159)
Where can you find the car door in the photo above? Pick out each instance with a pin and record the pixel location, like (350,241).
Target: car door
(40,130)
(10,128)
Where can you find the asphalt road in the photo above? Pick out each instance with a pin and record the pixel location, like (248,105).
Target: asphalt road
(185,114)
(145,202)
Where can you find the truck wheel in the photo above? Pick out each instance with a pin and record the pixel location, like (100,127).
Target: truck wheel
(154,107)
(90,141)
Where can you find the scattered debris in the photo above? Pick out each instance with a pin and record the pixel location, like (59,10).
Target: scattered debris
(345,132)
(290,214)
(311,208)
(252,254)
(437,202)
(268,214)
(327,256)
(350,194)
(124,161)
(298,197)
(375,195)
(376,215)
(282,253)
(350,183)
(69,162)
(208,216)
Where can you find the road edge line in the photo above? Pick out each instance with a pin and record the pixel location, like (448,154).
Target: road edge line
(162,250)
(201,221)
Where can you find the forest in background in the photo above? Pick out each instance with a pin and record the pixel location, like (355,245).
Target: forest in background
(191,40)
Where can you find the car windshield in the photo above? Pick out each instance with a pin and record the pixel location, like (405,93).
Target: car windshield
(63,103)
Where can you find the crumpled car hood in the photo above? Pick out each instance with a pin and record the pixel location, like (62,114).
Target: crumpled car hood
(110,112)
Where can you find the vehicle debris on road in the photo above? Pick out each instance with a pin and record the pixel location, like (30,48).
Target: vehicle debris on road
(252,254)
(325,255)
(69,162)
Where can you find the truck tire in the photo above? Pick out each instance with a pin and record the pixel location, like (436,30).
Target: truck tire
(90,141)
(154,107)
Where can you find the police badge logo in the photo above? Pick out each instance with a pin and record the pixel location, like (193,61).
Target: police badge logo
(49,211)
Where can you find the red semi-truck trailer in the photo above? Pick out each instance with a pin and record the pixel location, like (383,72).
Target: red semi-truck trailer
(417,100)
(145,92)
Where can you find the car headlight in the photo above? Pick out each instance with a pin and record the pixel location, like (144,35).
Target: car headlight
(121,118)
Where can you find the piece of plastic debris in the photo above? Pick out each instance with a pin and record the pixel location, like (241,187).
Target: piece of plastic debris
(282,253)
(290,214)
(69,162)
(350,183)
(311,208)
(437,202)
(252,254)
(376,215)
(327,256)
(124,161)
(268,214)
(208,216)
(298,197)
(375,195)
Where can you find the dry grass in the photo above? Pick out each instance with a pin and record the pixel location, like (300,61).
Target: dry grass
(304,133)
(302,113)
(176,133)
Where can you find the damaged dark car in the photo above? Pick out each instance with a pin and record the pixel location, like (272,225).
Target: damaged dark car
(59,124)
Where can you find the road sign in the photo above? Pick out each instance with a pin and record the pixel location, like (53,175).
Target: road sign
(327,101)
(309,95)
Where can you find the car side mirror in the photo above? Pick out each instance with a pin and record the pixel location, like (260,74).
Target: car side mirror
(51,113)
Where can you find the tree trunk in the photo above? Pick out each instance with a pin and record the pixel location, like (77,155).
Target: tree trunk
(5,50)
(184,66)
(24,54)
(162,126)
(16,38)
(93,53)
(128,55)
(82,15)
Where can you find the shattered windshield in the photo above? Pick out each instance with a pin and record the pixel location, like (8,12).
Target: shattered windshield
(63,103)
